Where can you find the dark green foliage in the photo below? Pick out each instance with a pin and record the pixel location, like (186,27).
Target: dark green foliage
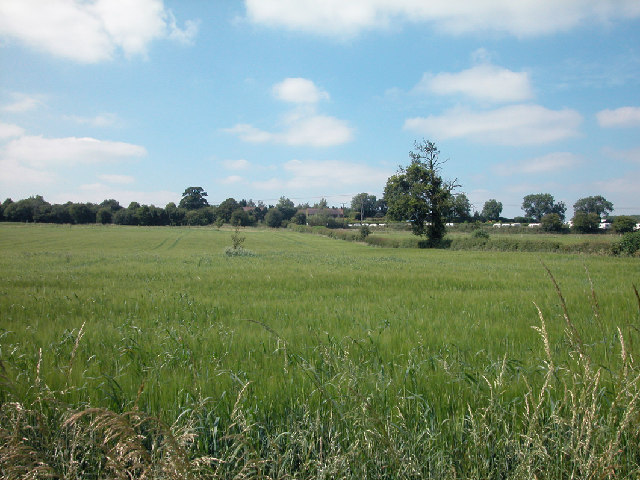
(226,209)
(419,194)
(598,205)
(537,205)
(492,210)
(83,213)
(104,216)
(551,222)
(629,244)
(623,224)
(287,208)
(274,218)
(241,218)
(584,222)
(300,218)
(460,209)
(364,205)
(193,198)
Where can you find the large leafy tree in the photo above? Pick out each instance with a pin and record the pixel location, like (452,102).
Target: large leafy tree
(492,209)
(419,194)
(598,205)
(286,207)
(537,205)
(193,198)
(364,204)
(460,210)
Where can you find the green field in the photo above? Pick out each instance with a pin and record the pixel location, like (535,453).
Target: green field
(320,357)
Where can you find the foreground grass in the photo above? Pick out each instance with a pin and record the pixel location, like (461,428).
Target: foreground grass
(149,351)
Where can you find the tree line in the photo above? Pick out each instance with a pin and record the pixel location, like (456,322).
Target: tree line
(417,194)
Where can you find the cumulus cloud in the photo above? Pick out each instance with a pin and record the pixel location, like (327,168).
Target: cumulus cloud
(23,103)
(314,131)
(37,151)
(521,18)
(483,82)
(553,162)
(511,125)
(299,90)
(8,130)
(231,179)
(303,125)
(620,117)
(90,31)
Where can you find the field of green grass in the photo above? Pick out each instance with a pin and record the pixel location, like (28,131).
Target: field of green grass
(315,358)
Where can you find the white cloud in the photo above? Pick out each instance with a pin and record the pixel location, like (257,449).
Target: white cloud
(240,164)
(90,31)
(553,162)
(117,179)
(511,125)
(483,82)
(314,131)
(8,130)
(23,103)
(519,18)
(620,117)
(231,179)
(37,151)
(330,173)
(304,177)
(299,90)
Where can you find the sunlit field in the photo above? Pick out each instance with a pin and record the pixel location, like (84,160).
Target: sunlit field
(381,359)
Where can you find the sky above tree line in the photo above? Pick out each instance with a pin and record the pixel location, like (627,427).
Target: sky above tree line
(318,99)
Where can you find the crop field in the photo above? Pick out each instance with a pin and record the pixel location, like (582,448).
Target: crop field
(311,357)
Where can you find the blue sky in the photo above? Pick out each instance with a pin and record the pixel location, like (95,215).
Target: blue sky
(308,99)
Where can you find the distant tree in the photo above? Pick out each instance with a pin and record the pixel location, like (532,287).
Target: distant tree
(598,205)
(111,204)
(551,222)
(460,210)
(226,208)
(26,210)
(381,208)
(175,215)
(537,205)
(364,205)
(586,222)
(83,213)
(300,218)
(321,204)
(240,218)
(104,215)
(492,210)
(193,198)
(419,194)
(286,207)
(273,218)
(624,224)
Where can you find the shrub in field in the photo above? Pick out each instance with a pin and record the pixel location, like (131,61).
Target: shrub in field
(584,222)
(624,224)
(237,249)
(628,245)
(551,222)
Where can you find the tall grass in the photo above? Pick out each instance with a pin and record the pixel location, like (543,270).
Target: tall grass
(151,354)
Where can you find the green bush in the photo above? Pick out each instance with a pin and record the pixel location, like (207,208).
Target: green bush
(628,245)
(624,224)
